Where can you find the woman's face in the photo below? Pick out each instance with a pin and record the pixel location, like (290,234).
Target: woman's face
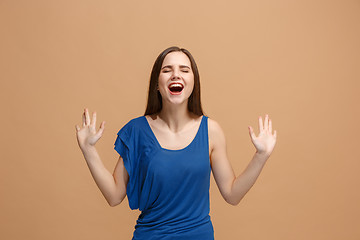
(176,79)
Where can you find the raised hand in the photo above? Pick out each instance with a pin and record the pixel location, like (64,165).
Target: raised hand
(87,135)
(265,141)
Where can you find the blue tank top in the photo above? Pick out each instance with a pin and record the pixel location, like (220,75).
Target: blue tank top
(169,187)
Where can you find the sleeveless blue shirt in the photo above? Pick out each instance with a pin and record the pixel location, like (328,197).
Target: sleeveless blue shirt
(169,187)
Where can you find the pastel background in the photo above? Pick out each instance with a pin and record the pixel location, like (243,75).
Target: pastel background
(298,61)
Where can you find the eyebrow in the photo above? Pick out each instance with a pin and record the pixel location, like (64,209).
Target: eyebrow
(181,66)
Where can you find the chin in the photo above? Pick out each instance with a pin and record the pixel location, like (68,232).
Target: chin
(178,101)
(175,102)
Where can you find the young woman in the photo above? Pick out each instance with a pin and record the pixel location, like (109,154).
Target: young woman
(166,156)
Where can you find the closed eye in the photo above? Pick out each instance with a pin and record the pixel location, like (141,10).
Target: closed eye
(185,68)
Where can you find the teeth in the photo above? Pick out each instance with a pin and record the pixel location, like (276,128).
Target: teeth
(175,85)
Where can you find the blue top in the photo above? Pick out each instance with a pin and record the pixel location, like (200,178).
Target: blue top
(169,187)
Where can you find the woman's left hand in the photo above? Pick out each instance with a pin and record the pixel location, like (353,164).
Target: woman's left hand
(265,141)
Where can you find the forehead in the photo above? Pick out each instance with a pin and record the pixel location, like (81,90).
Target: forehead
(176,58)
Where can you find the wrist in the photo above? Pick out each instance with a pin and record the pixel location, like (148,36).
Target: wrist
(263,153)
(261,156)
(86,148)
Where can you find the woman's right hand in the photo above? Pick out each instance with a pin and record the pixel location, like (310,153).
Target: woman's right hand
(87,135)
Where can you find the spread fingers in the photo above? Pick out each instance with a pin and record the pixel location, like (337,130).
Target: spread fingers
(266,122)
(93,122)
(261,127)
(87,117)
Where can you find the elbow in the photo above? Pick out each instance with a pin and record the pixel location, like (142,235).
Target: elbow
(111,202)
(233,202)
(115,202)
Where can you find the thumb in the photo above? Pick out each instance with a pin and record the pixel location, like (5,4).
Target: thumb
(251,133)
(101,129)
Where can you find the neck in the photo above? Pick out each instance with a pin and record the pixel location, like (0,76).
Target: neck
(175,116)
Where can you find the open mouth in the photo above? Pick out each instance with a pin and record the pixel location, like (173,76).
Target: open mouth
(176,88)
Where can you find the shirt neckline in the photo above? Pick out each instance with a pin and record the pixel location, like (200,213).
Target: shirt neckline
(172,150)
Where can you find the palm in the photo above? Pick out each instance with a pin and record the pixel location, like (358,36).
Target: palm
(265,141)
(87,135)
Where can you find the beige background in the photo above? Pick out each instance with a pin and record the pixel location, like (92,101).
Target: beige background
(298,61)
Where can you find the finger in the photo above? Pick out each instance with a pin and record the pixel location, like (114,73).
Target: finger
(266,122)
(275,134)
(101,129)
(87,117)
(270,126)
(83,119)
(251,132)
(261,127)
(77,128)
(93,122)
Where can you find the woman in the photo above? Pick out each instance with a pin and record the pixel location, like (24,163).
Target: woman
(166,156)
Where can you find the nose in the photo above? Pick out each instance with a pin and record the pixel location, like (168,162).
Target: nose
(176,74)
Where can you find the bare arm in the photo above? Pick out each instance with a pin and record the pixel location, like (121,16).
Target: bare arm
(233,188)
(112,186)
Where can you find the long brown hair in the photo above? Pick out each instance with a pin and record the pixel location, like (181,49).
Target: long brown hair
(154,104)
